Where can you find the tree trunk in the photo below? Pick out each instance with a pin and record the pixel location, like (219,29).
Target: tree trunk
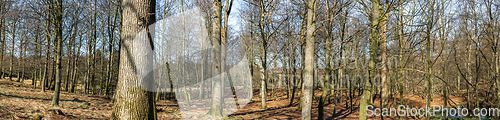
(133,102)
(400,57)
(374,39)
(328,48)
(2,47)
(429,64)
(94,52)
(87,75)
(52,76)
(383,59)
(497,75)
(66,83)
(111,30)
(103,77)
(47,54)
(217,98)
(12,51)
(307,91)
(293,80)
(20,60)
(75,66)
(58,14)
(263,58)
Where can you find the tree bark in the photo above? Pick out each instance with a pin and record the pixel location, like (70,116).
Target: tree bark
(383,59)
(133,102)
(429,63)
(47,55)
(12,51)
(75,66)
(66,83)
(2,45)
(58,14)
(307,91)
(328,49)
(263,57)
(217,98)
(374,39)
(20,60)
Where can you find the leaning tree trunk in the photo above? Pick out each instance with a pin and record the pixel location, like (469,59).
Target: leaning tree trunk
(132,102)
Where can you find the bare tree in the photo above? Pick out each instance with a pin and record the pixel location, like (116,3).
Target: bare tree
(307,91)
(374,39)
(57,12)
(217,98)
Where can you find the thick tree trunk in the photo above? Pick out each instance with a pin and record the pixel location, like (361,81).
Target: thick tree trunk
(217,98)
(133,102)
(307,91)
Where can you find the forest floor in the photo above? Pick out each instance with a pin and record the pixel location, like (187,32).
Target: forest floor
(21,101)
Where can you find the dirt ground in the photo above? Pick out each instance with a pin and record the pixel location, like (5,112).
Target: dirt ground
(21,101)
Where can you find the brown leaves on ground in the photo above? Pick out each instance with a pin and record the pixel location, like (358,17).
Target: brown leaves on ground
(21,101)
